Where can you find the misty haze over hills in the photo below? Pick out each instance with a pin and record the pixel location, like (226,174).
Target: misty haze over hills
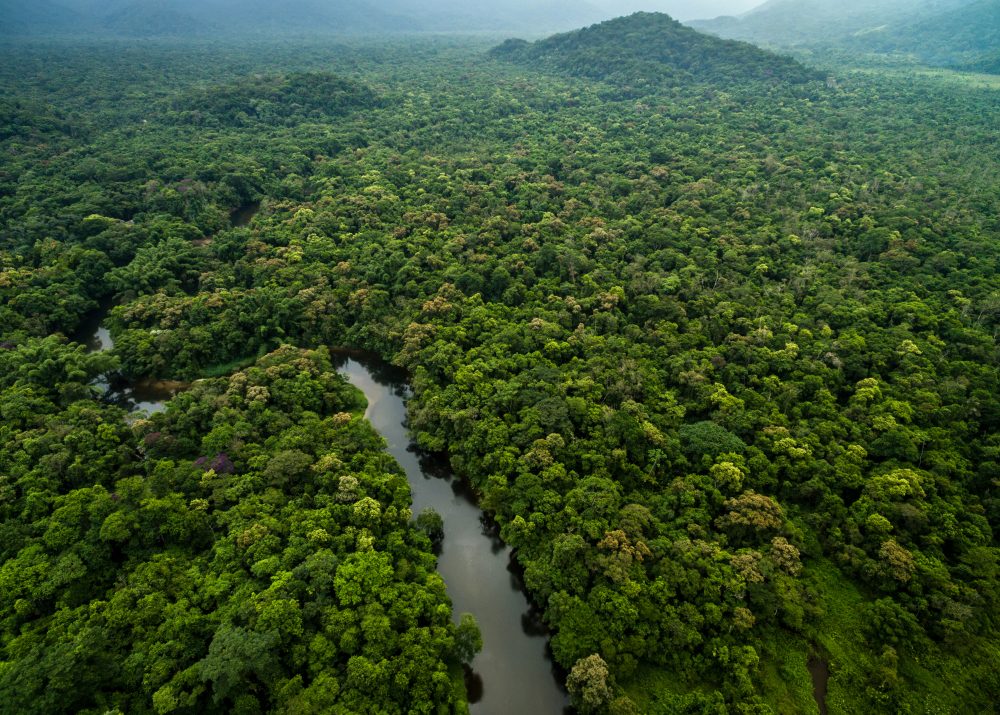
(792,22)
(940,32)
(952,33)
(186,18)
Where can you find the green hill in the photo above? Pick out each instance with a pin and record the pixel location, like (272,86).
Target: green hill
(807,22)
(966,35)
(652,49)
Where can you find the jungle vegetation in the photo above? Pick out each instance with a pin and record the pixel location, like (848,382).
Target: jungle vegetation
(718,350)
(943,33)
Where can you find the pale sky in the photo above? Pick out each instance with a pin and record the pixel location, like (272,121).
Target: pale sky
(680,9)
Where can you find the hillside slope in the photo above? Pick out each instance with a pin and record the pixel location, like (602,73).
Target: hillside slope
(153,18)
(950,33)
(962,35)
(510,15)
(806,22)
(650,49)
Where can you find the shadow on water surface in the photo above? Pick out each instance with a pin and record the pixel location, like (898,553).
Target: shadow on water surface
(244,214)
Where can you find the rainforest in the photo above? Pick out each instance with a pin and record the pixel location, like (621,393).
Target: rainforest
(700,339)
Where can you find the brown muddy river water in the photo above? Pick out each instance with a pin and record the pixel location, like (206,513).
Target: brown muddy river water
(514,674)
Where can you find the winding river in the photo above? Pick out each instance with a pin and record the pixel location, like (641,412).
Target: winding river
(514,674)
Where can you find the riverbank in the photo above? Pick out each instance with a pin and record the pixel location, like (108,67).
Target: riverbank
(514,673)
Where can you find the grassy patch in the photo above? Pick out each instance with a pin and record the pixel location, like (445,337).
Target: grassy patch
(785,682)
(360,402)
(838,636)
(661,692)
(970,80)
(227,368)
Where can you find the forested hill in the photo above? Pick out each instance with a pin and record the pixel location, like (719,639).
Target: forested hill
(792,22)
(967,34)
(650,49)
(957,33)
(987,63)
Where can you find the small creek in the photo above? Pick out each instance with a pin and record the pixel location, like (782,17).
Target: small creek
(514,673)
(819,669)
(146,395)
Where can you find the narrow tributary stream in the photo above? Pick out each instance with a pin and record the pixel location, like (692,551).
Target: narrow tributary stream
(513,675)
(147,395)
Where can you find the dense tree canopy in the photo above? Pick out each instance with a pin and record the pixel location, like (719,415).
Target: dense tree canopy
(647,48)
(719,356)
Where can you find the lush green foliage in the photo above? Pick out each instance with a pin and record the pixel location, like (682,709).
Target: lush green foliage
(947,33)
(652,48)
(287,99)
(721,360)
(965,34)
(989,63)
(250,549)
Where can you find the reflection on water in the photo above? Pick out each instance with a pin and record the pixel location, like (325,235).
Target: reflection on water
(92,333)
(514,672)
(147,395)
(100,340)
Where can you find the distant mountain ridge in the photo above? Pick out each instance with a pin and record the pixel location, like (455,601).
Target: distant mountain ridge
(651,49)
(18,17)
(940,32)
(153,18)
(794,22)
(165,18)
(965,34)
